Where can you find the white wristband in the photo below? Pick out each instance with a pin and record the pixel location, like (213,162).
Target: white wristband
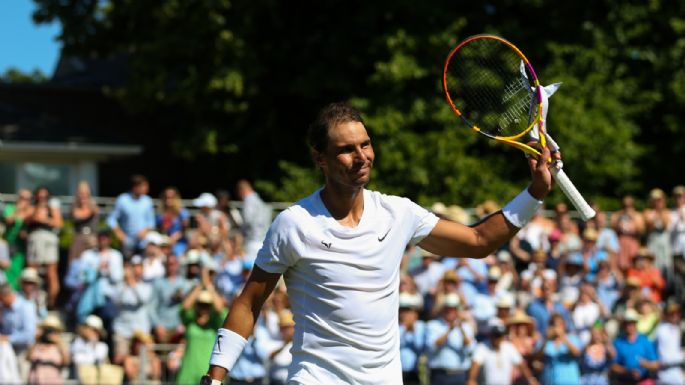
(519,211)
(227,348)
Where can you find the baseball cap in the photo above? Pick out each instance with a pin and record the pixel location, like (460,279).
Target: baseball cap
(136,260)
(153,238)
(205,200)
(497,329)
(631,315)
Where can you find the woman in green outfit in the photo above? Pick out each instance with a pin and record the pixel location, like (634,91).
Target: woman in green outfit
(13,215)
(202,313)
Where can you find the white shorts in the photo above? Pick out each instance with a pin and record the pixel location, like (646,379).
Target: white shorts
(42,248)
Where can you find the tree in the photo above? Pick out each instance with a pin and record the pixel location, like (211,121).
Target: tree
(239,81)
(16,76)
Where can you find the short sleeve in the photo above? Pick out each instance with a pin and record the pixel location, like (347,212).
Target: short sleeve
(479,354)
(514,354)
(278,250)
(187,315)
(424,221)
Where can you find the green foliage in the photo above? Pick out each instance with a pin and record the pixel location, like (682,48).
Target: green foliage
(241,79)
(16,76)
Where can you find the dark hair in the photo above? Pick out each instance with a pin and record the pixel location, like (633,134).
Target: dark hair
(137,180)
(329,116)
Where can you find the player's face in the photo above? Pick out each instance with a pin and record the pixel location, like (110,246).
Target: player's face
(349,156)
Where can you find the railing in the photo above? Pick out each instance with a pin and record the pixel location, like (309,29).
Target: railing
(107,203)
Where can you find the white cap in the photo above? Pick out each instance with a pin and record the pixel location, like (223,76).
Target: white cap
(503,256)
(205,200)
(153,238)
(30,274)
(505,301)
(451,300)
(549,274)
(408,300)
(631,315)
(494,274)
(95,322)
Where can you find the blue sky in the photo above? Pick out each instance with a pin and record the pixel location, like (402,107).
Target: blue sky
(23,44)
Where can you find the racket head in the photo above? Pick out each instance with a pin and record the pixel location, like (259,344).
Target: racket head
(491,85)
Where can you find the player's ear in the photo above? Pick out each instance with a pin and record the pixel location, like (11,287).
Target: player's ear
(318,159)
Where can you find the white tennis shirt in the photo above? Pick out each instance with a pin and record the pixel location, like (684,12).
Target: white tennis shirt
(343,285)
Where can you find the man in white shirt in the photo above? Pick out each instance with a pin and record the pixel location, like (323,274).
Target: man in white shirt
(498,359)
(668,337)
(339,251)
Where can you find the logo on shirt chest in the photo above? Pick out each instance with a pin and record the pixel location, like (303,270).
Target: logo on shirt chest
(328,245)
(381,239)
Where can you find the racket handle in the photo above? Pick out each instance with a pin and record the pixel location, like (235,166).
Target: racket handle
(586,212)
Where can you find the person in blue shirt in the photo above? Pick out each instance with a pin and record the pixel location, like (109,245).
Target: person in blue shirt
(542,308)
(18,319)
(133,215)
(559,352)
(250,368)
(412,337)
(636,358)
(450,340)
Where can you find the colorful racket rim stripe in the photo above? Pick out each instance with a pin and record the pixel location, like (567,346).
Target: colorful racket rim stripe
(511,140)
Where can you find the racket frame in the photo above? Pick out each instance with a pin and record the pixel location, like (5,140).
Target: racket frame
(586,212)
(537,119)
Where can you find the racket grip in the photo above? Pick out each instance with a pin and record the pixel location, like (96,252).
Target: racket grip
(565,184)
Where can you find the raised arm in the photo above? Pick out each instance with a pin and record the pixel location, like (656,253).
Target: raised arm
(479,241)
(245,310)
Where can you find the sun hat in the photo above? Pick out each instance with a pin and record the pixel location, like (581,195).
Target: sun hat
(30,274)
(410,301)
(95,322)
(285,318)
(451,300)
(51,321)
(205,296)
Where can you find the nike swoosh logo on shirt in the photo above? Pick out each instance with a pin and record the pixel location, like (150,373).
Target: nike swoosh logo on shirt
(381,239)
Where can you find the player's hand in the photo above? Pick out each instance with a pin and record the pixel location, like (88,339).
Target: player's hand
(541,177)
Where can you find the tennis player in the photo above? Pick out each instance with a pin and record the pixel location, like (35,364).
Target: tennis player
(339,251)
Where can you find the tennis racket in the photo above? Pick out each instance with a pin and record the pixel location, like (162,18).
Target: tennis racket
(490,84)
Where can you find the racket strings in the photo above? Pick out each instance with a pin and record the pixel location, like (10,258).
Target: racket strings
(493,88)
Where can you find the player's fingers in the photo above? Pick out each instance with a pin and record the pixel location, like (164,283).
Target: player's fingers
(545,154)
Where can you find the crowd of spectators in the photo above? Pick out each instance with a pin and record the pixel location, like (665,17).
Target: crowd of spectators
(144,288)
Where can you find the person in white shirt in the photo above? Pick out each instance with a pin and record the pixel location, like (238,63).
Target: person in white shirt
(280,357)
(88,348)
(669,350)
(497,358)
(340,249)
